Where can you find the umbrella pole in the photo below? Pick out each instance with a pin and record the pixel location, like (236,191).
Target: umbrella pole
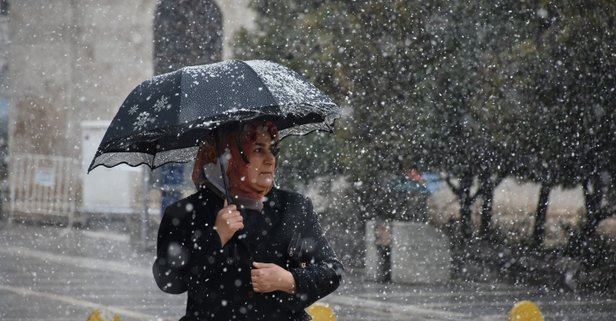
(218,142)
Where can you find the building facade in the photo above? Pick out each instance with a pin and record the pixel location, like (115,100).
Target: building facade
(67,67)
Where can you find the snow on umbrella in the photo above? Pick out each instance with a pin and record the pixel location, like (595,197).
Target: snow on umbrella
(165,119)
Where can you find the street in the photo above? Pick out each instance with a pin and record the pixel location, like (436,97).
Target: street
(54,273)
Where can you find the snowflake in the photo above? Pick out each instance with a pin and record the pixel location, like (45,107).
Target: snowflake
(162,103)
(142,120)
(133,109)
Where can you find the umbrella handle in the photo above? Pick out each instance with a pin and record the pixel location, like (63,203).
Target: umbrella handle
(228,195)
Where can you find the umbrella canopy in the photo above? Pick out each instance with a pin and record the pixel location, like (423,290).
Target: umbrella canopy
(166,118)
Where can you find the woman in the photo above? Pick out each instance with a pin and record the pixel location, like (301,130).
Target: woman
(264,257)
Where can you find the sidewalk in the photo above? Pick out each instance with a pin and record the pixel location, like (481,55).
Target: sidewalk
(52,273)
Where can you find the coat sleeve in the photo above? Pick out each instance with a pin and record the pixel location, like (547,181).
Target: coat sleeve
(184,243)
(172,250)
(322,273)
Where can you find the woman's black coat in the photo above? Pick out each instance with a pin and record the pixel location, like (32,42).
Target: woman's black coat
(190,258)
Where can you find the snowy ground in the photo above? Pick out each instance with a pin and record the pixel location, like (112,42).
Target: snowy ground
(52,273)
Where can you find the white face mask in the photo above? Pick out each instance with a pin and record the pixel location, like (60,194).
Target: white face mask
(213,174)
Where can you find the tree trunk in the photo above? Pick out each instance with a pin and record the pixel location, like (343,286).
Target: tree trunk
(593,195)
(466,200)
(540,216)
(487,194)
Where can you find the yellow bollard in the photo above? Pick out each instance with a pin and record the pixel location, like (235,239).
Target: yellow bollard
(96,316)
(525,311)
(321,312)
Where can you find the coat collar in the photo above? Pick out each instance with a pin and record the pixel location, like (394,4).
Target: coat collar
(272,199)
(272,211)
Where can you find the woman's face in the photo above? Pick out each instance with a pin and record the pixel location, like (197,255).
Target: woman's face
(261,168)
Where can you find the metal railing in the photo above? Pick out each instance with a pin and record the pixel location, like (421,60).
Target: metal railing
(43,186)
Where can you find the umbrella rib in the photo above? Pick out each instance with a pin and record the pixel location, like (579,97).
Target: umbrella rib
(256,74)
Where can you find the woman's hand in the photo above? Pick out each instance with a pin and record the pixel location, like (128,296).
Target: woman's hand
(269,277)
(228,221)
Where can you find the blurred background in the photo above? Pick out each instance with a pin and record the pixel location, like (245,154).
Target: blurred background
(484,128)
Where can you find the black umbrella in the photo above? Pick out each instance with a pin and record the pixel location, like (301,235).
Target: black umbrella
(166,118)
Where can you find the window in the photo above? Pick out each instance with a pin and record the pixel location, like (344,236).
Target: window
(4,7)
(186,33)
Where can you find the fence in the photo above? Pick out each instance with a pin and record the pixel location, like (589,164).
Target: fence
(43,186)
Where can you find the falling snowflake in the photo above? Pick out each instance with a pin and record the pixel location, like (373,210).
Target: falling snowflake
(133,109)
(162,103)
(142,120)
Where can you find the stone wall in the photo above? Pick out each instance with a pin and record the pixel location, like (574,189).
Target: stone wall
(72,61)
(75,61)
